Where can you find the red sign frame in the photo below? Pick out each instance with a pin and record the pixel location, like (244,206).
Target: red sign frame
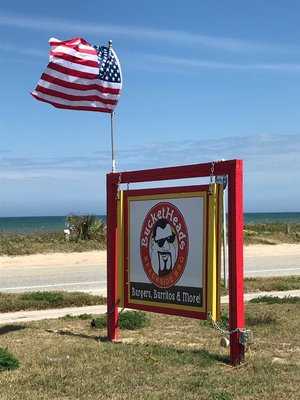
(234,170)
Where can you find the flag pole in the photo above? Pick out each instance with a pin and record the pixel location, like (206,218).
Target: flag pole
(113,160)
(112,130)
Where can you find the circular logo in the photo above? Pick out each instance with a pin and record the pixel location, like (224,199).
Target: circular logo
(164,244)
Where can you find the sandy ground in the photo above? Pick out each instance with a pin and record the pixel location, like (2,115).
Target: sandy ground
(55,259)
(288,251)
(261,250)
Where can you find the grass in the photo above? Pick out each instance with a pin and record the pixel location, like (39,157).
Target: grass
(51,242)
(268,284)
(130,320)
(276,300)
(10,302)
(172,357)
(7,360)
(272,233)
(279,283)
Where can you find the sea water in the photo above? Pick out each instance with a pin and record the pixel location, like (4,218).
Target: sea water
(57,223)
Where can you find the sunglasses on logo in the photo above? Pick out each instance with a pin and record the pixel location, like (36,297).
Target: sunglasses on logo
(169,239)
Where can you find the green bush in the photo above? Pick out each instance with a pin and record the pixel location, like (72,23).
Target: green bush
(7,360)
(47,297)
(86,227)
(130,320)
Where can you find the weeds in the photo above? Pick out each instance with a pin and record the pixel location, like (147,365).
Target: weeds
(7,360)
(130,320)
(69,317)
(272,233)
(263,318)
(272,283)
(276,300)
(45,242)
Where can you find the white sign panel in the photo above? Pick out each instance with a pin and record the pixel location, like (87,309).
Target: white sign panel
(167,245)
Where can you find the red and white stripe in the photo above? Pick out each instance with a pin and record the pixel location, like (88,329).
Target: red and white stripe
(71,79)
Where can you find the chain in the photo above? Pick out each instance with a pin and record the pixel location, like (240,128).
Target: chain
(246,334)
(211,176)
(118,185)
(212,170)
(217,327)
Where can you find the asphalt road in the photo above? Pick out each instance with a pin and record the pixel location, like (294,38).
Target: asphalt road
(88,278)
(92,278)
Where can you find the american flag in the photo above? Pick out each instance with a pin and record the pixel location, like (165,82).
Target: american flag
(80,77)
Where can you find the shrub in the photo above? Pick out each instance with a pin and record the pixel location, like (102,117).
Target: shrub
(86,227)
(130,320)
(7,360)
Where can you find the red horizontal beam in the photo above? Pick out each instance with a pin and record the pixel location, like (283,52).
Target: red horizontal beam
(180,172)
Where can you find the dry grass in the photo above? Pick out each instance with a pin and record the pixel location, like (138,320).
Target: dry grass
(272,233)
(272,283)
(278,283)
(13,244)
(173,358)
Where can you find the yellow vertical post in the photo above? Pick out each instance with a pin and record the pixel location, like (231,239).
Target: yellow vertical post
(213,297)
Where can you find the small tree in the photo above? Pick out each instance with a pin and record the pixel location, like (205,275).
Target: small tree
(86,227)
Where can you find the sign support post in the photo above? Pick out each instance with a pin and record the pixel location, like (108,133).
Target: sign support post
(112,257)
(235,253)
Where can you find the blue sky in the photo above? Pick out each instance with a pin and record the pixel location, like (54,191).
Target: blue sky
(202,81)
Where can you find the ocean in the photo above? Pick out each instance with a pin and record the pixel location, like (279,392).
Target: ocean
(56,224)
(34,224)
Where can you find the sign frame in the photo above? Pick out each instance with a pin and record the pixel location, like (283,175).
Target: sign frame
(211,195)
(234,170)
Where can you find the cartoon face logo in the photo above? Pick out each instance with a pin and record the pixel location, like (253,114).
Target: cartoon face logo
(164,244)
(163,247)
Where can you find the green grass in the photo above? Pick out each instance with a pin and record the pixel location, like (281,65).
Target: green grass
(10,302)
(276,300)
(7,360)
(173,357)
(130,320)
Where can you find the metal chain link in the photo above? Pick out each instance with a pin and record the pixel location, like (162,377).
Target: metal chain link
(246,333)
(212,170)
(118,185)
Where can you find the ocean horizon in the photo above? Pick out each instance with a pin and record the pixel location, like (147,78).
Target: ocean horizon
(57,223)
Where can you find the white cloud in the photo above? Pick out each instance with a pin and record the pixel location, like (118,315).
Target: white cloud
(272,167)
(178,37)
(207,64)
(22,50)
